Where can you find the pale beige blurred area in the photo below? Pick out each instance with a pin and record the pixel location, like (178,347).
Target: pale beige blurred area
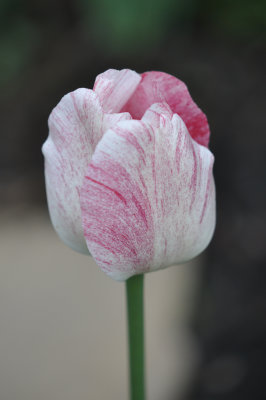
(63,322)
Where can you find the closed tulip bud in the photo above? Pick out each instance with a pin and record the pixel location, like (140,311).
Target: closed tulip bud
(129,173)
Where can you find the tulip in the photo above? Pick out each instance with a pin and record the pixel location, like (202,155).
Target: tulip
(129,181)
(129,174)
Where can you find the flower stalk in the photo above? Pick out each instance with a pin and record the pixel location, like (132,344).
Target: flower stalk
(134,288)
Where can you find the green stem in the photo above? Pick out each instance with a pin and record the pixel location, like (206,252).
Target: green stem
(134,287)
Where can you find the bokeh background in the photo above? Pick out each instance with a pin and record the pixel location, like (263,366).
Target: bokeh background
(63,332)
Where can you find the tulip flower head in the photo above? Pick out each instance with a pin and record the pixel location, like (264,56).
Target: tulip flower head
(129,173)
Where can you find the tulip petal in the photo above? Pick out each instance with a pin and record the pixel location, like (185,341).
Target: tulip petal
(76,125)
(160,87)
(148,197)
(114,88)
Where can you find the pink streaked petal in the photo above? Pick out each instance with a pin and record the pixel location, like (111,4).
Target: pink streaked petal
(114,88)
(148,198)
(154,114)
(76,125)
(157,87)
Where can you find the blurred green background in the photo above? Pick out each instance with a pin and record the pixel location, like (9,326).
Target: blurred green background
(218,48)
(49,48)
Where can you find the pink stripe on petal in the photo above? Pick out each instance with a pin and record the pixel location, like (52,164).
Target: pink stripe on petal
(114,88)
(76,125)
(154,114)
(159,87)
(148,200)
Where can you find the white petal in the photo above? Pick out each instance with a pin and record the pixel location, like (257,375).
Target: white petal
(76,125)
(114,88)
(148,199)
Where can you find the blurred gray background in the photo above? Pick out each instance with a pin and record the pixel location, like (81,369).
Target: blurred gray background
(63,327)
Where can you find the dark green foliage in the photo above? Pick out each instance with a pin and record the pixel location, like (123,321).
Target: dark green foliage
(119,26)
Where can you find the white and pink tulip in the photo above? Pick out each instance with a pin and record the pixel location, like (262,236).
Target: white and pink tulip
(129,174)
